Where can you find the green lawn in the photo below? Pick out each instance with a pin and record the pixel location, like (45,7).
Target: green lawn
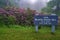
(28,33)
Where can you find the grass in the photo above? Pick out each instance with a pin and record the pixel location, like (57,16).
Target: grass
(28,33)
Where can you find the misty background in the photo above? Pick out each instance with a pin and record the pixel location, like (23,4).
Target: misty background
(38,5)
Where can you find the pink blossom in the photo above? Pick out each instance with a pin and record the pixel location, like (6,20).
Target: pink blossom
(2,10)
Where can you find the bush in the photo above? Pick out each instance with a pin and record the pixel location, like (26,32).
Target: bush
(16,17)
(11,20)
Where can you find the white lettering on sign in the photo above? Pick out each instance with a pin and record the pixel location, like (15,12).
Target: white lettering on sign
(47,21)
(45,17)
(38,19)
(35,19)
(53,19)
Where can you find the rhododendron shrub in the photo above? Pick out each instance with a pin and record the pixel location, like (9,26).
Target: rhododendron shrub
(17,16)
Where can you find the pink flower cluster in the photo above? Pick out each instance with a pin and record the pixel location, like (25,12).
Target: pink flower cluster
(21,15)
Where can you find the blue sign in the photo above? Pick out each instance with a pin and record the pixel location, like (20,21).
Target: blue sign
(45,19)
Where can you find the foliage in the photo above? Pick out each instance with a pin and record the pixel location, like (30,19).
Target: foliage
(14,3)
(2,3)
(47,10)
(4,19)
(11,19)
(51,5)
(29,16)
(1,20)
(18,16)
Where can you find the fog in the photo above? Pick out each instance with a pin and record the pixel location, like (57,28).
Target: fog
(33,4)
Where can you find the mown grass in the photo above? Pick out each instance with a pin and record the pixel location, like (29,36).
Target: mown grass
(27,33)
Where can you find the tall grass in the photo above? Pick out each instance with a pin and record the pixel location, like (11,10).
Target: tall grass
(17,32)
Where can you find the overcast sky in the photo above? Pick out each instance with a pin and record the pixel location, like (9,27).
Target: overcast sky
(33,4)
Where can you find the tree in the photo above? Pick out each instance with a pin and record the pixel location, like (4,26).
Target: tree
(2,3)
(14,3)
(50,5)
(47,10)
